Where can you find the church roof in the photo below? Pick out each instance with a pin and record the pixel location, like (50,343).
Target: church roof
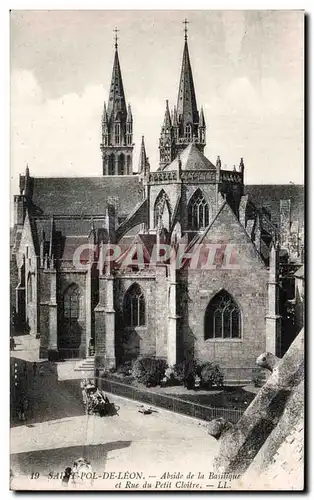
(269,195)
(191,159)
(84,195)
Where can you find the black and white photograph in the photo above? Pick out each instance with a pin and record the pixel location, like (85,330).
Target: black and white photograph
(157,250)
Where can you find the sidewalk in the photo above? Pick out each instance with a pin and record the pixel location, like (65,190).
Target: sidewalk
(27,348)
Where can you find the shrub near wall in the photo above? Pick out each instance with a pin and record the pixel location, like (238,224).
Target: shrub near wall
(149,371)
(211,375)
(186,371)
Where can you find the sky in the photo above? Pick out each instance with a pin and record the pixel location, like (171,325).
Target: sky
(248,76)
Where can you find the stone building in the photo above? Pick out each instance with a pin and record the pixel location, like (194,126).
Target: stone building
(216,301)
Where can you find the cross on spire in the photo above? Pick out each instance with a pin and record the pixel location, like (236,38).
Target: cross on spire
(116,31)
(185,22)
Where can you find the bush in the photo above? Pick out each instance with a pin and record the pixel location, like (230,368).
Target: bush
(169,378)
(211,375)
(149,371)
(186,371)
(125,368)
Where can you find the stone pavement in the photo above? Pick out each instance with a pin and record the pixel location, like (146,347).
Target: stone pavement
(57,432)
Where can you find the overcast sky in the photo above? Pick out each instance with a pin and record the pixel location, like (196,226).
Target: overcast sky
(248,76)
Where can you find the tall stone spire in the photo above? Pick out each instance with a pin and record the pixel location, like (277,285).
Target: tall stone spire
(167,119)
(117,125)
(187,125)
(166,140)
(143,158)
(116,101)
(186,105)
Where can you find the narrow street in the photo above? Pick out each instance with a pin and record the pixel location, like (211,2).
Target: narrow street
(57,432)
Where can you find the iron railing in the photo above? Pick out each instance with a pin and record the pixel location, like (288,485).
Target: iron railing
(169,402)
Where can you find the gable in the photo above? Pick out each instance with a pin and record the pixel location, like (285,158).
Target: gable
(225,229)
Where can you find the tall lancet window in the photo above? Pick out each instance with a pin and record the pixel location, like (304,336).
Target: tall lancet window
(111,164)
(188,132)
(117,133)
(222,318)
(121,163)
(134,307)
(198,211)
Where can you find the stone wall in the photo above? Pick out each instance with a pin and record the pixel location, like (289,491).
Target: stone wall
(249,290)
(149,339)
(258,446)
(246,282)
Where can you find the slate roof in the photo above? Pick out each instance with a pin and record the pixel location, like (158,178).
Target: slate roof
(191,159)
(269,195)
(84,195)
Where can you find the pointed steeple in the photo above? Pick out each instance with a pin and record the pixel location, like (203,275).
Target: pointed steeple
(116,101)
(241,165)
(186,106)
(186,126)
(104,115)
(26,191)
(202,118)
(129,117)
(167,119)
(175,117)
(143,158)
(117,126)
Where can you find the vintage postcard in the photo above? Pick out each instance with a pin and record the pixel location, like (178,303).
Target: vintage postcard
(157,250)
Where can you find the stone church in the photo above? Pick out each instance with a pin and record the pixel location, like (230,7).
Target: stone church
(225,312)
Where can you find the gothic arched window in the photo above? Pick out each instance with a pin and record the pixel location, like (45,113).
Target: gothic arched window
(162,209)
(29,288)
(134,307)
(222,318)
(111,165)
(121,164)
(71,303)
(198,211)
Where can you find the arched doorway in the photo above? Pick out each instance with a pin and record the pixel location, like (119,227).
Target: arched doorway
(70,331)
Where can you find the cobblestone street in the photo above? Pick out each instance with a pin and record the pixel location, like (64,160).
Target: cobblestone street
(57,432)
